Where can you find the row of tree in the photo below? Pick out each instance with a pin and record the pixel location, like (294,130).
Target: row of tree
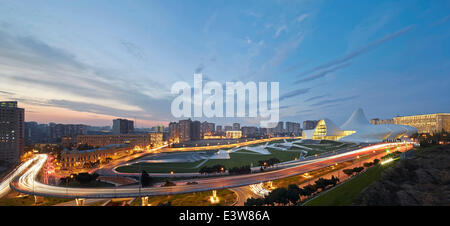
(240,170)
(212,169)
(82,178)
(292,194)
(268,163)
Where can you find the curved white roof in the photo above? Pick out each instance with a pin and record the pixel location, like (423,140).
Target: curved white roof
(366,132)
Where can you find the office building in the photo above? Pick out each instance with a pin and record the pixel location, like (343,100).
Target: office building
(310,124)
(430,123)
(122,126)
(11,133)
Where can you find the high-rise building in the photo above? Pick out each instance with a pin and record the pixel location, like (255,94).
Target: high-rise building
(236,126)
(57,131)
(158,128)
(228,128)
(310,124)
(207,128)
(122,126)
(219,129)
(249,131)
(195,130)
(430,123)
(11,133)
(185,130)
(293,128)
(279,128)
(174,131)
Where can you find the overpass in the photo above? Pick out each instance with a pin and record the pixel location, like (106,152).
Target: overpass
(27,183)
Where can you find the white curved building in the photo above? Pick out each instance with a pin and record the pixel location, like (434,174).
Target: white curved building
(358,129)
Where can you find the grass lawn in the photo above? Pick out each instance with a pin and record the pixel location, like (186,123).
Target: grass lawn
(12,199)
(185,167)
(239,158)
(226,197)
(346,193)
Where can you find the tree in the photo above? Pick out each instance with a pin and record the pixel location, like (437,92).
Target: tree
(308,190)
(358,169)
(146,180)
(349,172)
(293,193)
(254,202)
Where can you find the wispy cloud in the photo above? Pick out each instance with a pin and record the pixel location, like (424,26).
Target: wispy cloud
(301,18)
(133,50)
(279,30)
(317,97)
(294,93)
(358,52)
(336,100)
(41,71)
(323,73)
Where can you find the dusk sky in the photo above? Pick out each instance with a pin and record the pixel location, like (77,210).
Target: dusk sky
(92,61)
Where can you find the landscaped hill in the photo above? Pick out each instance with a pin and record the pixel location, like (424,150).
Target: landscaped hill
(423,179)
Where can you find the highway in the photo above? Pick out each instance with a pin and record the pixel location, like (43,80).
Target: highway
(27,182)
(4,185)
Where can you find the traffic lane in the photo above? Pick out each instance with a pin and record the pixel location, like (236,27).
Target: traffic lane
(212,184)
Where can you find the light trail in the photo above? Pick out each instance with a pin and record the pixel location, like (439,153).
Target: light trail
(259,190)
(4,185)
(28,184)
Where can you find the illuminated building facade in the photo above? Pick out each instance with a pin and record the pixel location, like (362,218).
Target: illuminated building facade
(231,134)
(79,159)
(430,123)
(142,140)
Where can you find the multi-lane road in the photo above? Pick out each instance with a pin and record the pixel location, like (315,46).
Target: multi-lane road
(27,183)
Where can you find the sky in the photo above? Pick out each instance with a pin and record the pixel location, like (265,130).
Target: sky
(91,61)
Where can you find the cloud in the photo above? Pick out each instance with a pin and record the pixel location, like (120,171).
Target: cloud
(6,93)
(316,97)
(285,107)
(336,100)
(323,73)
(279,30)
(358,52)
(32,69)
(199,68)
(294,93)
(304,111)
(301,18)
(133,50)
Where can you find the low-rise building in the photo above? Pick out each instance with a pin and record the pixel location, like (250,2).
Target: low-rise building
(231,134)
(141,140)
(82,159)
(430,123)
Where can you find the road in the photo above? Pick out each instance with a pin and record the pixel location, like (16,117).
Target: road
(243,193)
(4,185)
(28,185)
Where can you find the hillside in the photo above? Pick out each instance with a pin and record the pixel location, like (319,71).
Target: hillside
(421,180)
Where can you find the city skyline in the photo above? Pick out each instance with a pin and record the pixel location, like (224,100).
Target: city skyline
(91,68)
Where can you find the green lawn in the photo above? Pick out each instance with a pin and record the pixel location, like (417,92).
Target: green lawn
(12,199)
(346,193)
(239,158)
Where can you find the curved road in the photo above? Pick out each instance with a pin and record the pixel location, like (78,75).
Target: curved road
(28,184)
